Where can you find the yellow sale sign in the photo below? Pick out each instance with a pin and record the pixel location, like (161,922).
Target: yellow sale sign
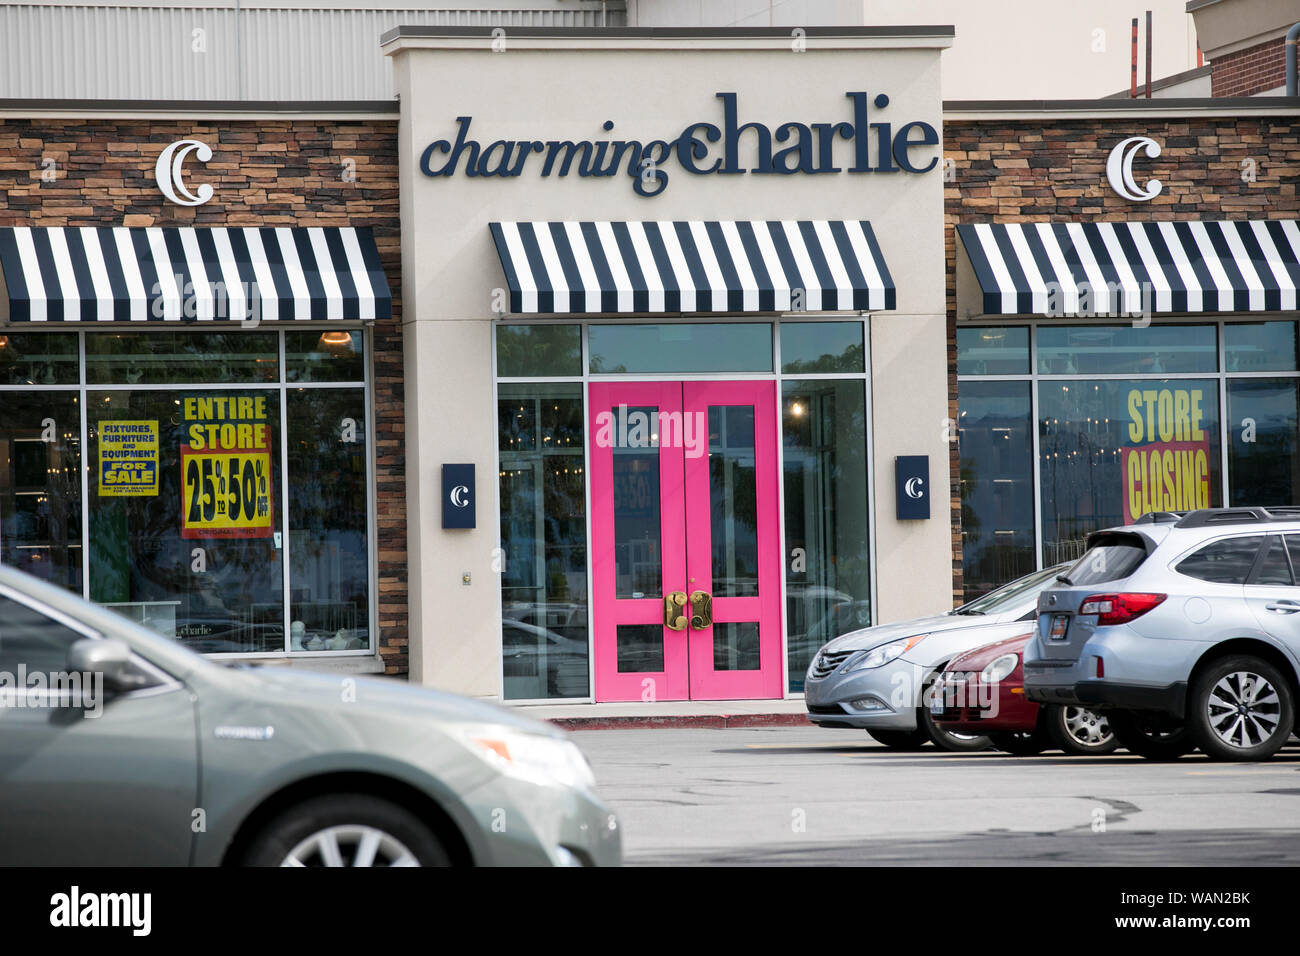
(128,459)
(226,469)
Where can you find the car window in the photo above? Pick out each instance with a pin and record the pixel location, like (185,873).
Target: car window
(1274,568)
(1010,595)
(1293,548)
(33,640)
(1109,559)
(1227,561)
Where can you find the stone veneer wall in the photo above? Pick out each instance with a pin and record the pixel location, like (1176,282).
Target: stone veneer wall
(264,173)
(1214,167)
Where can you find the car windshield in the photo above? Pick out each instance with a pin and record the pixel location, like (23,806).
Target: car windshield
(1010,595)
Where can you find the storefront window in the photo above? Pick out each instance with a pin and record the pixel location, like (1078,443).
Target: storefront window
(329,356)
(997,484)
(993,351)
(681,347)
(185,514)
(38,359)
(828,577)
(1114,450)
(1260,346)
(543,541)
(531,351)
(40,481)
(329,566)
(1126,349)
(167,358)
(1263,446)
(821,347)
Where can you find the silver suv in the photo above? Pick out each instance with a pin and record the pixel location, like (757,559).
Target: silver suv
(1185,628)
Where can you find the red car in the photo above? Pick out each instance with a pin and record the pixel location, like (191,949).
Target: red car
(982,692)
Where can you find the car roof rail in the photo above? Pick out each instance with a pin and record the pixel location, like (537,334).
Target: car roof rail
(1206,517)
(1160,517)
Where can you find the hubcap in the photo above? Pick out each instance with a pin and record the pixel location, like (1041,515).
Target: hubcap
(1244,709)
(1087,727)
(350,845)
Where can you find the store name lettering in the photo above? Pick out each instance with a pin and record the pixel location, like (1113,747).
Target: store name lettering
(1168,466)
(704,148)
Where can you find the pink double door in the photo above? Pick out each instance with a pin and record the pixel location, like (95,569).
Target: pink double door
(686,570)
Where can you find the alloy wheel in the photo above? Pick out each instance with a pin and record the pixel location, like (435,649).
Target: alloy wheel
(1086,726)
(1243,709)
(350,845)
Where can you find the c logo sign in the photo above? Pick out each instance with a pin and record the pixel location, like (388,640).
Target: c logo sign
(912,488)
(460,496)
(1119,169)
(168,172)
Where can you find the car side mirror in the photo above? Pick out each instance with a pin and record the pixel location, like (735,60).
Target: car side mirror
(109,657)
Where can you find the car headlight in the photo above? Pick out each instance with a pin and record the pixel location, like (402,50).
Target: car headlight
(998,668)
(538,758)
(879,656)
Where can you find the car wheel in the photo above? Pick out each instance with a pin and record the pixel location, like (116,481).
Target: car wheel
(346,830)
(950,740)
(1240,709)
(1150,735)
(1020,744)
(900,739)
(1078,731)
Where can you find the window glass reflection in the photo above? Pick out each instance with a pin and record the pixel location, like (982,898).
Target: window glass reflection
(1115,349)
(1263,446)
(828,583)
(543,541)
(167,358)
(822,347)
(989,350)
(681,347)
(38,358)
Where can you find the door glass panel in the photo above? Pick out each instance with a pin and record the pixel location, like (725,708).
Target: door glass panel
(637,552)
(735,646)
(733,506)
(40,485)
(543,541)
(640,648)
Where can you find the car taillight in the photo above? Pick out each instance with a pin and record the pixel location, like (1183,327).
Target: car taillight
(1119,608)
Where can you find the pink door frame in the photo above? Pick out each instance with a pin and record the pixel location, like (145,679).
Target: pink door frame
(685,543)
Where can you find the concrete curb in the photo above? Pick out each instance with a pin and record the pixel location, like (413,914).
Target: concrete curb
(710,721)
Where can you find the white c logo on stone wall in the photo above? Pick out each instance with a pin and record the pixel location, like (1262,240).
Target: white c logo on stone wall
(1119,169)
(168,172)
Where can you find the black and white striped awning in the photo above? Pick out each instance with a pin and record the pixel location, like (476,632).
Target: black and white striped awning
(697,266)
(107,274)
(1109,268)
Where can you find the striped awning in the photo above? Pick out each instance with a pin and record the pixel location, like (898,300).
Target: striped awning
(121,274)
(696,266)
(1109,268)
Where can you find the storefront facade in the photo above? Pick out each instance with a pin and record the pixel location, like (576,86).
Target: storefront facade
(1171,382)
(709,317)
(199,414)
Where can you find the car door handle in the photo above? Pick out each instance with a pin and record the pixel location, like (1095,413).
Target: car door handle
(1284,606)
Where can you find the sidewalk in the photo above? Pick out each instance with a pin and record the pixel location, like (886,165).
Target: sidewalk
(718,714)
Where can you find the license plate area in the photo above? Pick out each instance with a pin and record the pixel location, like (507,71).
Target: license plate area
(1060,624)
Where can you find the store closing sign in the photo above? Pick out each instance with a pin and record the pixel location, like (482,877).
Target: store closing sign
(1166,466)
(128,459)
(226,468)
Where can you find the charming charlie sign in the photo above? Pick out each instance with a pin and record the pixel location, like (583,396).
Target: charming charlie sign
(867,143)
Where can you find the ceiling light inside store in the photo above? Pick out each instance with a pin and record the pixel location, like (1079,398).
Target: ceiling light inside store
(335,339)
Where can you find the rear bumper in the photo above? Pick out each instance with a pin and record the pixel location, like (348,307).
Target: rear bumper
(1170,699)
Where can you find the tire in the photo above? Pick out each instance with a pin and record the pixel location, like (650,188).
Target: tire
(1153,736)
(1025,744)
(1079,732)
(1240,708)
(304,834)
(900,739)
(946,739)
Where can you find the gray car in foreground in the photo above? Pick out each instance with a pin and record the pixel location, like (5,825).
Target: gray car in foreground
(119,747)
(1183,628)
(875,679)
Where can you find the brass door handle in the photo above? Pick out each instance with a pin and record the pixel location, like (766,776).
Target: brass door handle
(701,609)
(674,602)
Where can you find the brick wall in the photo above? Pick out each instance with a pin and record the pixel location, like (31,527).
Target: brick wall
(1212,168)
(1252,70)
(264,173)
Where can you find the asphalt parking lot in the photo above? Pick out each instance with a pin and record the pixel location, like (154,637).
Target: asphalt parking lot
(810,796)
